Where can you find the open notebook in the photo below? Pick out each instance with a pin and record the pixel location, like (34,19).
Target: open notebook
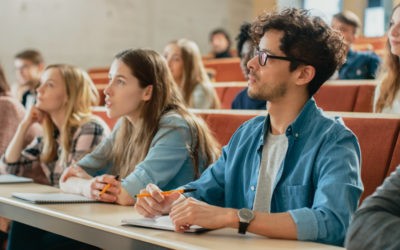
(48,198)
(162,222)
(9,178)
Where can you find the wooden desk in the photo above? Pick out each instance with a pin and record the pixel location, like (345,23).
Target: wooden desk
(100,224)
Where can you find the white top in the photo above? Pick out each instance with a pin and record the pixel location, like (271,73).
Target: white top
(394,108)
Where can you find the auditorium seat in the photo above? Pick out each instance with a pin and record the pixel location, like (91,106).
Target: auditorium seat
(226,69)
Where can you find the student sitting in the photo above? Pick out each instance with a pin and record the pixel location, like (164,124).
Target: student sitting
(157,140)
(245,48)
(63,106)
(29,65)
(184,61)
(358,65)
(387,93)
(294,174)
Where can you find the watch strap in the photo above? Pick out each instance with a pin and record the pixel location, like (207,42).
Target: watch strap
(243,227)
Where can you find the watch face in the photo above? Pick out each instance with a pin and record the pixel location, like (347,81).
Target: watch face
(246,214)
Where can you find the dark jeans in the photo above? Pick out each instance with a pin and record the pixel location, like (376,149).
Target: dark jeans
(22,236)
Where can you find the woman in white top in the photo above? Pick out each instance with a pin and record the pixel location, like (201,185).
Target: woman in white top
(187,68)
(387,94)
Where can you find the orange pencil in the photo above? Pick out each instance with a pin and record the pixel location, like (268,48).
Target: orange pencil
(167,192)
(108,186)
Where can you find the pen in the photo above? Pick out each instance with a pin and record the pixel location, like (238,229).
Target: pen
(181,191)
(108,186)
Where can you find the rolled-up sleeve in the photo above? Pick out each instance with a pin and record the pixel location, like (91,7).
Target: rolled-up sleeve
(338,190)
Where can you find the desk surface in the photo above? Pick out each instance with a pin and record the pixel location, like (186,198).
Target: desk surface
(100,224)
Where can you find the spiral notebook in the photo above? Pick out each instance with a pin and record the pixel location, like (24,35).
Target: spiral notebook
(162,222)
(9,178)
(49,198)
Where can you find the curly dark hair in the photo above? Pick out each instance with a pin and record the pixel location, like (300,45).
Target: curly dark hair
(307,38)
(243,37)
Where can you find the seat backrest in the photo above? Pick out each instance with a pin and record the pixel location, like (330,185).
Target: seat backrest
(229,96)
(364,100)
(224,125)
(226,69)
(337,97)
(377,137)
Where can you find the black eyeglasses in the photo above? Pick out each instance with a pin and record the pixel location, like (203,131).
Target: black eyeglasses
(263,57)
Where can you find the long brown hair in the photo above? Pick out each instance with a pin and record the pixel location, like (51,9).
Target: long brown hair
(82,94)
(390,75)
(4,87)
(194,72)
(132,143)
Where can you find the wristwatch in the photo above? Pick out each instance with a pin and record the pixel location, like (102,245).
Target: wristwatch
(245,217)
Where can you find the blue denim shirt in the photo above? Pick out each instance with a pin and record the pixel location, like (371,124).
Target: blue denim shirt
(318,183)
(168,162)
(359,65)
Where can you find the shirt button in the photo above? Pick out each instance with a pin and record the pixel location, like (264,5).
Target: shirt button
(297,135)
(252,188)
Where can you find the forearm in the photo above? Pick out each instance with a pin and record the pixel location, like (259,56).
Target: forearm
(76,185)
(15,148)
(275,225)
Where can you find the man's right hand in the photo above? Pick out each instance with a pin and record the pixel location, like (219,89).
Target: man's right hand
(157,203)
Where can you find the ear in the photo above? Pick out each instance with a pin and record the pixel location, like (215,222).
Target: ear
(148,92)
(305,75)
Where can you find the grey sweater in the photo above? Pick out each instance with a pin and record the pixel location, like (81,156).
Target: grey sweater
(376,224)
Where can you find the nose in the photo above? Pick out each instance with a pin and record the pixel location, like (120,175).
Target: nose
(40,88)
(394,31)
(252,63)
(107,90)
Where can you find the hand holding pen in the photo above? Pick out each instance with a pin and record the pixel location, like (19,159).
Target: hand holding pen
(106,188)
(152,201)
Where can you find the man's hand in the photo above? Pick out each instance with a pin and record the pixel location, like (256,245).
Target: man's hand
(156,203)
(194,212)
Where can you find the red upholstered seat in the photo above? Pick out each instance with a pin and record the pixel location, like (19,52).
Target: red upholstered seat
(364,100)
(337,97)
(377,137)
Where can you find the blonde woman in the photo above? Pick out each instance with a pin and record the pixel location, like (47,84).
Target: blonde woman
(63,106)
(156,139)
(184,61)
(387,94)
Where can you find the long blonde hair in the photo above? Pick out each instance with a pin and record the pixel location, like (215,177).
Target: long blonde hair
(194,72)
(132,143)
(390,75)
(82,94)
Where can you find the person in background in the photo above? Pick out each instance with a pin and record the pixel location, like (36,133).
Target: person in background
(64,100)
(375,225)
(387,93)
(294,174)
(358,65)
(245,49)
(12,113)
(187,68)
(156,139)
(220,42)
(29,65)
(70,131)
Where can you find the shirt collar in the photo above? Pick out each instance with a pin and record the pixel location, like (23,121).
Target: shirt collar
(300,126)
